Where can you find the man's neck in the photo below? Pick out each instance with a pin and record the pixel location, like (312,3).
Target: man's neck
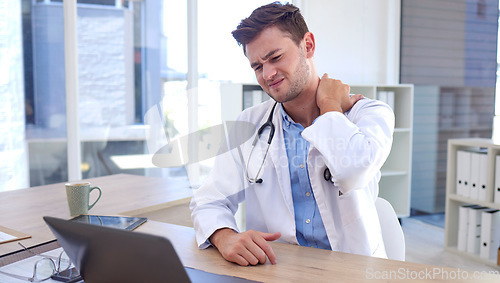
(304,109)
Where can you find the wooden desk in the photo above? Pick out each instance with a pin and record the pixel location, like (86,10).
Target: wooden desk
(301,264)
(122,194)
(22,210)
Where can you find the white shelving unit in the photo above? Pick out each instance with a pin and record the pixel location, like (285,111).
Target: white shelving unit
(454,201)
(395,184)
(396,172)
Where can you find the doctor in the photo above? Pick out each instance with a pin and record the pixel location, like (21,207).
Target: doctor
(317,183)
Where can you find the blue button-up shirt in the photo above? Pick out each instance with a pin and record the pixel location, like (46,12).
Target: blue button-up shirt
(310,228)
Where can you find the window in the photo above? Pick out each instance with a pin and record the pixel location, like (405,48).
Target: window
(132,58)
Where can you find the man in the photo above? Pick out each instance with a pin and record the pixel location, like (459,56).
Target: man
(318,183)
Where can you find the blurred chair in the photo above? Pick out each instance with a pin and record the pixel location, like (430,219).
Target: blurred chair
(392,233)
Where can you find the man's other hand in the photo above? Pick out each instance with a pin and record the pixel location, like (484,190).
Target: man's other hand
(333,95)
(250,247)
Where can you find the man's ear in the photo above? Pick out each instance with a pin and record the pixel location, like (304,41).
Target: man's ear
(309,44)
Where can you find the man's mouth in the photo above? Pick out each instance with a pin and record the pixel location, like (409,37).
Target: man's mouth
(276,83)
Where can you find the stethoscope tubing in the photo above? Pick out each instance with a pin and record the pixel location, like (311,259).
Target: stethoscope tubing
(269,123)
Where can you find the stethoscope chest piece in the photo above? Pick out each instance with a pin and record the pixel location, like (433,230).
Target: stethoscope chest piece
(327,174)
(328,177)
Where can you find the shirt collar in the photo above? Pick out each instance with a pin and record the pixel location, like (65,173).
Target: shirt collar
(288,122)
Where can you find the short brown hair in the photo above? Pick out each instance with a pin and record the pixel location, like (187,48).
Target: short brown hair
(286,17)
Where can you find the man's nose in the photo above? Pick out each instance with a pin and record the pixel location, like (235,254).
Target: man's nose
(268,72)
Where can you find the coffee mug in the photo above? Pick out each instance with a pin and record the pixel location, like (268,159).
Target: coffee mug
(78,197)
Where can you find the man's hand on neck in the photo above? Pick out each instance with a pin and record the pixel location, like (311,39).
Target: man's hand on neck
(333,95)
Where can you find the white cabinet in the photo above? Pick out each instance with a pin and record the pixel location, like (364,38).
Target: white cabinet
(455,198)
(396,172)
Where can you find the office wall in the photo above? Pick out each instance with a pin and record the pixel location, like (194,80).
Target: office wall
(448,50)
(13,169)
(357,41)
(450,43)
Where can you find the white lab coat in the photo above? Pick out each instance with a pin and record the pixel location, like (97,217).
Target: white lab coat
(353,145)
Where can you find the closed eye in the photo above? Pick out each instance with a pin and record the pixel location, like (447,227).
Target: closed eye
(276,58)
(257,68)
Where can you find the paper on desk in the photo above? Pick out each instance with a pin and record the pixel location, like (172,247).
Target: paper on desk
(9,235)
(4,237)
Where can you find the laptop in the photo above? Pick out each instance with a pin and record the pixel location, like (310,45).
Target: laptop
(104,254)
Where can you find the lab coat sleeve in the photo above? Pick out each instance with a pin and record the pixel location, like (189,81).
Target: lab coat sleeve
(214,204)
(354,145)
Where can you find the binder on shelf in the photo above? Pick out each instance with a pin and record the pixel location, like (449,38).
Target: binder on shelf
(463,226)
(490,233)
(474,229)
(475,167)
(483,180)
(463,173)
(497,179)
(387,97)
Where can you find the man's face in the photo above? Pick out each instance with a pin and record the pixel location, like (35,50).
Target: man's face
(280,65)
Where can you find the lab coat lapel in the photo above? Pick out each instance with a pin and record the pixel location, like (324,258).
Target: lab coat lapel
(279,160)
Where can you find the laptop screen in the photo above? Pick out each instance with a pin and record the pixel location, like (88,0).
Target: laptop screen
(104,254)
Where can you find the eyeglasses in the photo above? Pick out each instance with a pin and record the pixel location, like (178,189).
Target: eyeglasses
(45,267)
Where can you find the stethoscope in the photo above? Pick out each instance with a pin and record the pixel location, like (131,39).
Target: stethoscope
(269,123)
